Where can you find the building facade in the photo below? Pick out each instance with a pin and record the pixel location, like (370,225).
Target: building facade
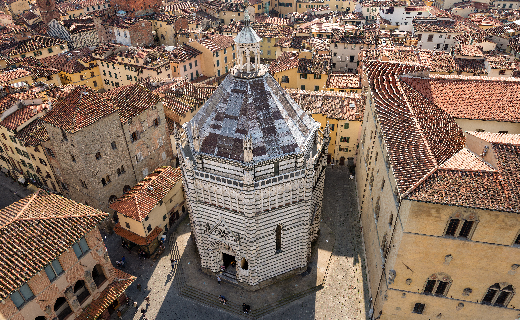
(73,280)
(253,169)
(102,144)
(439,207)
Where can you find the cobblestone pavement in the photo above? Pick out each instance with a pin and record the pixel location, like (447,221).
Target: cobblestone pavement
(11,191)
(344,295)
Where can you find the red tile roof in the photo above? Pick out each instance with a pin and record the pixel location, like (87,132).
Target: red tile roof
(343,81)
(144,196)
(121,282)
(135,238)
(426,147)
(466,160)
(131,100)
(217,42)
(78,107)
(418,134)
(36,42)
(69,62)
(22,115)
(335,105)
(36,230)
(11,75)
(33,134)
(288,60)
(498,98)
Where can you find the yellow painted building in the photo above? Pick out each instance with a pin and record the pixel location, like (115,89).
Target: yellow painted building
(439,212)
(21,136)
(218,54)
(150,208)
(299,70)
(76,67)
(343,112)
(121,65)
(36,46)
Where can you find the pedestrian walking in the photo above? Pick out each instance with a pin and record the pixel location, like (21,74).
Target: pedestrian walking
(147,299)
(246,308)
(139,287)
(218,279)
(222,299)
(174,262)
(119,314)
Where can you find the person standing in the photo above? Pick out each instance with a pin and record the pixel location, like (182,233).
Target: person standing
(218,279)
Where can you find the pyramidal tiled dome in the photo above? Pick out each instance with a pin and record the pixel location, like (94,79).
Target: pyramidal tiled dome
(257,107)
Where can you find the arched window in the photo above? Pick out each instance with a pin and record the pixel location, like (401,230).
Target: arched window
(62,308)
(243,264)
(81,291)
(499,294)
(112,199)
(437,284)
(98,275)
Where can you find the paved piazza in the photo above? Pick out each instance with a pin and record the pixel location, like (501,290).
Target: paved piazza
(333,287)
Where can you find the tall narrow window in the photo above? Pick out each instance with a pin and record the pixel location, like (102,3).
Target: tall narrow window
(278,238)
(452,227)
(499,295)
(276,168)
(466,229)
(460,228)
(437,284)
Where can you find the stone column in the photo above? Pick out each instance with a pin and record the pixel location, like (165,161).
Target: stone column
(71,298)
(248,59)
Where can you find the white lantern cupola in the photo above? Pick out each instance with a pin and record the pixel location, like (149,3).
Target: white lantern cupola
(248,51)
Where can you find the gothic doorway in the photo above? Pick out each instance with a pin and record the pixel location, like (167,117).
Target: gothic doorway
(229,263)
(228,259)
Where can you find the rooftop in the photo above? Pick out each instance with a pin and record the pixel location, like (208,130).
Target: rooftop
(258,108)
(36,230)
(144,196)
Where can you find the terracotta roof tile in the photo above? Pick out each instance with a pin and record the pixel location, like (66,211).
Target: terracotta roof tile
(343,81)
(121,282)
(466,160)
(498,98)
(144,196)
(33,134)
(78,107)
(336,105)
(131,100)
(69,62)
(36,230)
(217,42)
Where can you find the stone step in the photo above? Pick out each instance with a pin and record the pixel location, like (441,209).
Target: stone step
(228,277)
(210,300)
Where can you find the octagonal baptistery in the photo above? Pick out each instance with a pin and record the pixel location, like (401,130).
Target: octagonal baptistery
(253,166)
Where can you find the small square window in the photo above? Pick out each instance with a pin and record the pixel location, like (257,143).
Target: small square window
(418,308)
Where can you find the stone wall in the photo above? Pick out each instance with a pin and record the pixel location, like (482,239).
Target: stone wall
(77,166)
(47,292)
(152,149)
